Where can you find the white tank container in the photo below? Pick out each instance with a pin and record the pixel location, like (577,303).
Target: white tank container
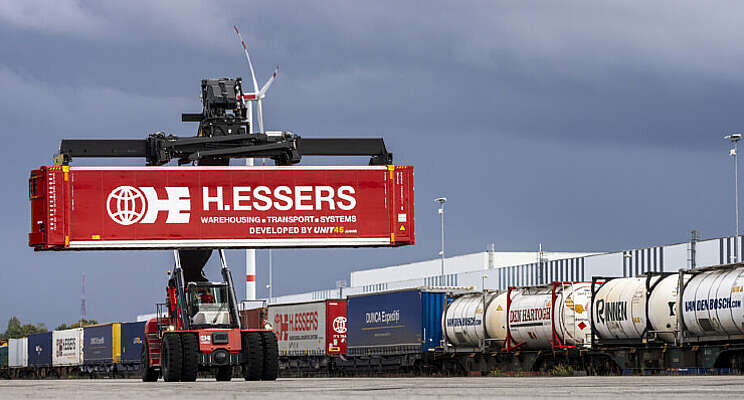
(662,308)
(67,347)
(619,308)
(462,321)
(712,303)
(496,318)
(533,314)
(18,353)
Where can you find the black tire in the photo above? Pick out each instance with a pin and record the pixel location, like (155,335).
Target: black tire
(190,362)
(270,356)
(148,374)
(252,356)
(224,373)
(171,357)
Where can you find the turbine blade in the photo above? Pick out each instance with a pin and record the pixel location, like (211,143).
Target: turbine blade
(267,85)
(248,57)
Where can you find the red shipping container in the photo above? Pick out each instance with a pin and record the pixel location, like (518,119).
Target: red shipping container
(83,208)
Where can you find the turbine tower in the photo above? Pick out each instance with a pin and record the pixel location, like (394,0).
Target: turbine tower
(248,99)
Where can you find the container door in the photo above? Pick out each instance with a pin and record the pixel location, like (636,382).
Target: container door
(402,224)
(37,198)
(132,337)
(47,194)
(432,306)
(40,350)
(336,327)
(67,346)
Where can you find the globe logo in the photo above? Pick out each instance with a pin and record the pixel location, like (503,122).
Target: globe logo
(339,324)
(126,205)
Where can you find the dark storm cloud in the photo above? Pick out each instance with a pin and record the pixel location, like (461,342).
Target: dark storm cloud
(581,125)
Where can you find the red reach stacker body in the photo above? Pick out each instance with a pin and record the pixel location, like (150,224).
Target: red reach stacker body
(198,328)
(88,208)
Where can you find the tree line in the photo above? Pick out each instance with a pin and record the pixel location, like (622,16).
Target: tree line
(16,329)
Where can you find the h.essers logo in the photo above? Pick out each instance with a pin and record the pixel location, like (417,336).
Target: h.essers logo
(339,324)
(127,205)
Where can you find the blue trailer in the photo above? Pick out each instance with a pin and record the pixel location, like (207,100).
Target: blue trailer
(102,348)
(132,337)
(40,350)
(395,323)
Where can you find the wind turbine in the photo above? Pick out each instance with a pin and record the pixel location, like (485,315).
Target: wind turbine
(258,94)
(247,99)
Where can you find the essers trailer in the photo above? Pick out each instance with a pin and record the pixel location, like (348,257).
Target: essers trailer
(88,208)
(315,328)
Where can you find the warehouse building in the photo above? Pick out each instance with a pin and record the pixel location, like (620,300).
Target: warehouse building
(499,270)
(430,270)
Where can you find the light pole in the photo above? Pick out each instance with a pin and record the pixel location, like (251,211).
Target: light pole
(270,286)
(483,284)
(441,201)
(340,285)
(734,138)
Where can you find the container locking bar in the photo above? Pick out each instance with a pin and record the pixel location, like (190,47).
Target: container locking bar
(283,147)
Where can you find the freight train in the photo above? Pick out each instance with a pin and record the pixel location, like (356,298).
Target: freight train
(643,324)
(690,321)
(111,349)
(103,350)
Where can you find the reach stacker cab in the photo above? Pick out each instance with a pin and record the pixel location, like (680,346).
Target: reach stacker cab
(199,330)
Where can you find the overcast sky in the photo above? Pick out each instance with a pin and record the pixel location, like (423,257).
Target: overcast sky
(586,126)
